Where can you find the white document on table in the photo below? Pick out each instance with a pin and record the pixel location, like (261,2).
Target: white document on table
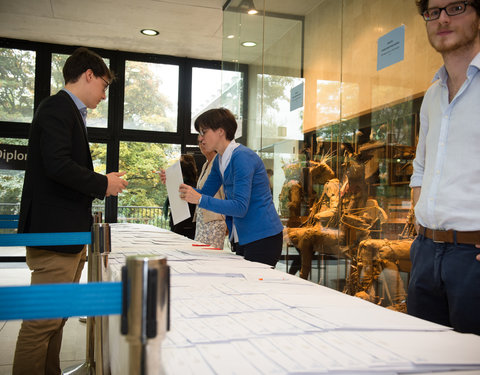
(178,207)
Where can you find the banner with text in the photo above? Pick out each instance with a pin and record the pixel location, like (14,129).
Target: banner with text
(13,157)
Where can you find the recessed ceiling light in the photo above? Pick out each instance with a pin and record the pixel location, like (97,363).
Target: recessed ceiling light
(249,44)
(231,36)
(149,32)
(248,6)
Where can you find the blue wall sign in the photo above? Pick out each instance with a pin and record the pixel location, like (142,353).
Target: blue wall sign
(391,48)
(296,97)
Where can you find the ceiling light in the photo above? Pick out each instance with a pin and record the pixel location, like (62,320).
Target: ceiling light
(149,32)
(248,6)
(231,36)
(249,44)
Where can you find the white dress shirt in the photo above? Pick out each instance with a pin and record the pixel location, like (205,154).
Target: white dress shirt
(447,162)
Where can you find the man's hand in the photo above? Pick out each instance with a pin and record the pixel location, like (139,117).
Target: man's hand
(115,183)
(189,194)
(478,255)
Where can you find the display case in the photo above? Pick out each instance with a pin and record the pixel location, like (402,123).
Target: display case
(341,186)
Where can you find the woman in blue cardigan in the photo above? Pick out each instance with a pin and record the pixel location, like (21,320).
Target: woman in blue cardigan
(253,223)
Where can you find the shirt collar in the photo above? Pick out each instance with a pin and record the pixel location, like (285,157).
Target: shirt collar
(81,107)
(473,68)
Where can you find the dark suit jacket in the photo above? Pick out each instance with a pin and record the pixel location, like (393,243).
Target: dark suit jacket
(60,183)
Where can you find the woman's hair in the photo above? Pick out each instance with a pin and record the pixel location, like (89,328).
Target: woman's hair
(215,119)
(422,5)
(80,61)
(189,169)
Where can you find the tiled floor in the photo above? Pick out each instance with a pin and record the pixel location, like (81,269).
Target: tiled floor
(74,341)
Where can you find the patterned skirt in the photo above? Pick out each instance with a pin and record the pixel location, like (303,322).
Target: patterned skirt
(211,233)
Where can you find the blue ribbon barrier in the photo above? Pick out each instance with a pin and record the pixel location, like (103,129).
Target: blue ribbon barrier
(9,217)
(47,301)
(9,224)
(46,239)
(9,221)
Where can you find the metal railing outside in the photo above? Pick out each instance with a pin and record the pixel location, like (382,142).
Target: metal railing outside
(126,214)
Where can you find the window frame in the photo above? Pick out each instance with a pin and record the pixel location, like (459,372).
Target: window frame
(114,133)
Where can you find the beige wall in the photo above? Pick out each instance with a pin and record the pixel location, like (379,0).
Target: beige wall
(341,51)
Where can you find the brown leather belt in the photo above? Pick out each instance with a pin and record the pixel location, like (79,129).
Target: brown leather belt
(468,238)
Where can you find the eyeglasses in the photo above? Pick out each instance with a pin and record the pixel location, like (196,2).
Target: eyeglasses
(107,84)
(452,9)
(201,132)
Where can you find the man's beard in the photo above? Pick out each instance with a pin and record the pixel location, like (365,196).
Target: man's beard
(465,43)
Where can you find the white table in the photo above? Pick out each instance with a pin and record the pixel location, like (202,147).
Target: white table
(231,316)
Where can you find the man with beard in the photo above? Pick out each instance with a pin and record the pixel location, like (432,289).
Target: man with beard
(445,275)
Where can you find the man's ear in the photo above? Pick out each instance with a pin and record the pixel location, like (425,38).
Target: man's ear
(89,75)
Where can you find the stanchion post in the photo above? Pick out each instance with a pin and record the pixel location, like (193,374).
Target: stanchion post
(97,360)
(145,312)
(90,359)
(101,244)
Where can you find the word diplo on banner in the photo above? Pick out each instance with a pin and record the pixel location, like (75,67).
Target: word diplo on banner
(12,155)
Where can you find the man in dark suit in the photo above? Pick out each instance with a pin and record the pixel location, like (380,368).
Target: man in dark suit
(59,187)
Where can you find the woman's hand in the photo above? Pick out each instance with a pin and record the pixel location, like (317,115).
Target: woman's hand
(189,194)
(163,176)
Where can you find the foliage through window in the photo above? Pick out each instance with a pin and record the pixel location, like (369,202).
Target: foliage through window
(151,96)
(17,84)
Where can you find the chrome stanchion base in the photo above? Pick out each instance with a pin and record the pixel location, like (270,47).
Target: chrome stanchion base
(83,369)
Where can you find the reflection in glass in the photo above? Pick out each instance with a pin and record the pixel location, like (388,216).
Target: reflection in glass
(151,96)
(279,121)
(17,84)
(213,88)
(98,117)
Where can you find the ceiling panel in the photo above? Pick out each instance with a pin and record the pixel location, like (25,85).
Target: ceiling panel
(188,28)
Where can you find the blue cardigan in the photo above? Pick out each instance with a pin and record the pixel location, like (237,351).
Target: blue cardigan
(248,199)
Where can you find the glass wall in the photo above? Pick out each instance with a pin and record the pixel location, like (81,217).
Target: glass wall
(334,92)
(213,88)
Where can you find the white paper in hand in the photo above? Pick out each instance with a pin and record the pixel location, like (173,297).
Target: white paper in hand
(178,207)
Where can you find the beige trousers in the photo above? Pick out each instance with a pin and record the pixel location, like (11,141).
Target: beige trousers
(39,341)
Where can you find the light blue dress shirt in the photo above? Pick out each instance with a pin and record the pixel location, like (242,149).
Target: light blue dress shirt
(81,107)
(447,161)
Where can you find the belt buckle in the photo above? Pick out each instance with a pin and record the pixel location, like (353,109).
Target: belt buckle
(433,237)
